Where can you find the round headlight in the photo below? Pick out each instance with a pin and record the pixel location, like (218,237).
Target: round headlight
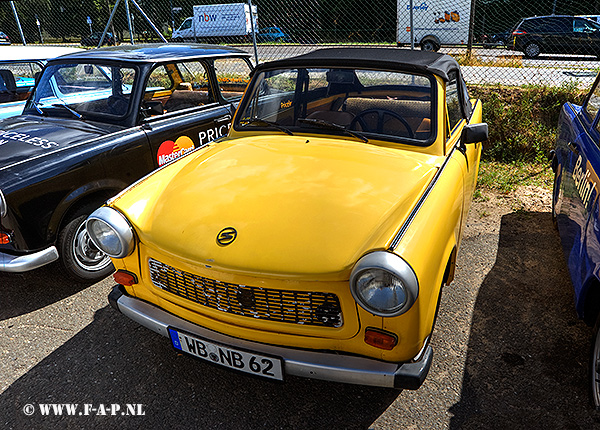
(384,284)
(110,232)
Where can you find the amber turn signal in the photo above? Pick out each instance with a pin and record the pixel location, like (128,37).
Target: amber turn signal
(380,339)
(125,278)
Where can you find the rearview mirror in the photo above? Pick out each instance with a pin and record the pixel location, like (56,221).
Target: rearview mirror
(474,133)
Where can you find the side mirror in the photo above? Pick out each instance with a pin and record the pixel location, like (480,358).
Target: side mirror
(474,133)
(151,108)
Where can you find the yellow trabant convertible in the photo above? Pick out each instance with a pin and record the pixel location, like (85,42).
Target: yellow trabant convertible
(315,239)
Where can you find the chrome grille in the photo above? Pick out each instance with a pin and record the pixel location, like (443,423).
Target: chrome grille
(296,307)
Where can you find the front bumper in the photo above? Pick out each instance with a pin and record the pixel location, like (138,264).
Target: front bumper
(305,363)
(23,263)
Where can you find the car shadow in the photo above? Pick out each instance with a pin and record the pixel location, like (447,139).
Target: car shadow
(21,293)
(527,354)
(116,361)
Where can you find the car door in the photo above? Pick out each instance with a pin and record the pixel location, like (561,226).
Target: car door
(194,109)
(459,113)
(577,211)
(586,37)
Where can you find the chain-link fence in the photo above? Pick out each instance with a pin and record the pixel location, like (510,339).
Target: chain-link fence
(512,42)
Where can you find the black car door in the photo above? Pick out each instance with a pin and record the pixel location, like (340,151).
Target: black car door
(194,111)
(586,37)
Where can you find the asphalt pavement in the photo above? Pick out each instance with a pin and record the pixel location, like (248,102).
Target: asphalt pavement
(509,353)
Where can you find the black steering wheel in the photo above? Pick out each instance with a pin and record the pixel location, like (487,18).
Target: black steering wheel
(381,114)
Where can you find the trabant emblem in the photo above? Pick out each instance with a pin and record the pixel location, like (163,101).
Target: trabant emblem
(226,236)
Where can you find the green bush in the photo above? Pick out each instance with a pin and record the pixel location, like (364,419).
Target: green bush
(522,120)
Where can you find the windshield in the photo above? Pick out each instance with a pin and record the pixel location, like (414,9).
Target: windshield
(371,104)
(83,91)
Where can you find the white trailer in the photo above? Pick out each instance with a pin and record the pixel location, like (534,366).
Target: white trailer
(435,23)
(214,20)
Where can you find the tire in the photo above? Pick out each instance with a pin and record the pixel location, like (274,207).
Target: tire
(429,45)
(555,192)
(594,377)
(532,50)
(81,259)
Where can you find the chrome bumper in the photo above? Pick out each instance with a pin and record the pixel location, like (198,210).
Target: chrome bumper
(23,263)
(309,364)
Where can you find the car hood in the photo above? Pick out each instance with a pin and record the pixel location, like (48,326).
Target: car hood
(25,138)
(306,208)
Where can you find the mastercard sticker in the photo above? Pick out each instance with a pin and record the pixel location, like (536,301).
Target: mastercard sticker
(170,150)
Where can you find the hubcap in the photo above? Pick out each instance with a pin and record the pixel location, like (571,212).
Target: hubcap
(596,371)
(533,50)
(86,254)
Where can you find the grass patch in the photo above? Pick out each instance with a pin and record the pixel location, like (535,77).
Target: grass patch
(522,120)
(506,177)
(474,60)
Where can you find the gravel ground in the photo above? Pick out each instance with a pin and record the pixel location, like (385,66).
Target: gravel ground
(509,351)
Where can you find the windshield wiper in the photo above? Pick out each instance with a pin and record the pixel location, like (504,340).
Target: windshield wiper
(332,126)
(73,111)
(264,123)
(39,109)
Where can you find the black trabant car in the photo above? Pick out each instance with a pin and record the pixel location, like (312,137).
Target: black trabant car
(96,122)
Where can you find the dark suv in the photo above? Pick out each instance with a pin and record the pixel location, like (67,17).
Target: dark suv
(557,34)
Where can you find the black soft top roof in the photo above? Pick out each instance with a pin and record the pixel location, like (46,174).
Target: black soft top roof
(153,52)
(380,58)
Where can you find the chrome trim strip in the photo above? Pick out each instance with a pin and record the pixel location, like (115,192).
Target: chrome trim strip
(3,206)
(310,364)
(23,263)
(421,201)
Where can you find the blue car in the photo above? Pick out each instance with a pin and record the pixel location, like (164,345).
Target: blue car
(272,34)
(576,211)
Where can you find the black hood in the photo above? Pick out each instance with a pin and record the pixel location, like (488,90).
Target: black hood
(24,138)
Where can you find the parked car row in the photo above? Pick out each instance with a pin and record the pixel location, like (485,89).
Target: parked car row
(229,252)
(284,224)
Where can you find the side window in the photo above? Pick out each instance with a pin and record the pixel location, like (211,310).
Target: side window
(453,101)
(179,86)
(186,24)
(233,74)
(584,26)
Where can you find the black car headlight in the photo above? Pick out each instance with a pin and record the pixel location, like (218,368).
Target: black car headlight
(111,233)
(384,284)
(3,206)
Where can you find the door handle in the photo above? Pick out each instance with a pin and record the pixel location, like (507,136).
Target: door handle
(223,119)
(573,147)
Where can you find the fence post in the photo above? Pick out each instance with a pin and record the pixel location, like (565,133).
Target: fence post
(14,9)
(412,34)
(253,32)
(471,29)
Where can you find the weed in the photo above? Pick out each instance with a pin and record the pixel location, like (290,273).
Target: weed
(506,177)
(523,120)
(474,60)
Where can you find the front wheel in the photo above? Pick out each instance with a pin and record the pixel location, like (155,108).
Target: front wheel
(595,367)
(82,260)
(429,45)
(555,195)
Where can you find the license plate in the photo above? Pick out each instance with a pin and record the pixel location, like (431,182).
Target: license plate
(233,358)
